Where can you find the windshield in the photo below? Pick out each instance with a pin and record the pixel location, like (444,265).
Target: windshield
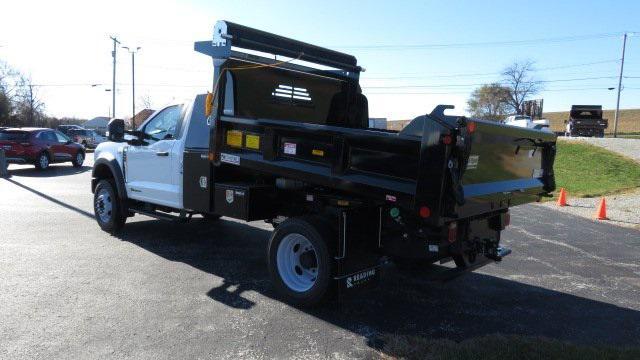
(14,135)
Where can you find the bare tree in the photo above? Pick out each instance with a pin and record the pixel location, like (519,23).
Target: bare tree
(145,101)
(29,108)
(521,84)
(8,79)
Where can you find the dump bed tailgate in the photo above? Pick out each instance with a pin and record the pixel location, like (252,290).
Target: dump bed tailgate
(503,166)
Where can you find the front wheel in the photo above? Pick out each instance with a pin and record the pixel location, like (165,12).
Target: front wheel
(300,262)
(107,207)
(78,160)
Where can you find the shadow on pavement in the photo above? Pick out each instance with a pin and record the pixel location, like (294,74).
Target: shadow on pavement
(52,171)
(52,199)
(470,306)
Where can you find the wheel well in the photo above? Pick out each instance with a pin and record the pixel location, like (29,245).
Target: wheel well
(101,172)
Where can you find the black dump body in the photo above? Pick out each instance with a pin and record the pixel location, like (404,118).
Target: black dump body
(586,120)
(281,121)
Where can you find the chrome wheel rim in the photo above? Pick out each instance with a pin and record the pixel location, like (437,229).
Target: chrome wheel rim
(104,205)
(44,161)
(79,158)
(297,262)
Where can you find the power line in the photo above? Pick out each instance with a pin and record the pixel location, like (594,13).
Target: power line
(488,73)
(467,92)
(480,84)
(366,87)
(475,44)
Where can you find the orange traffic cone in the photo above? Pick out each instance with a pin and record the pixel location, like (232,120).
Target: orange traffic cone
(601,213)
(562,198)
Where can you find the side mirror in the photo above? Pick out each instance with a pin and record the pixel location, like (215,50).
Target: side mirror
(115,130)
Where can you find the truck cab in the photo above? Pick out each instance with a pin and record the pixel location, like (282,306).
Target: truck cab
(526,121)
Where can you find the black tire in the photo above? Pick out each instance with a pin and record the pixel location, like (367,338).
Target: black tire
(110,218)
(77,162)
(316,231)
(42,161)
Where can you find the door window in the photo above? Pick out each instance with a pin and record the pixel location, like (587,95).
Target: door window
(164,125)
(61,138)
(48,136)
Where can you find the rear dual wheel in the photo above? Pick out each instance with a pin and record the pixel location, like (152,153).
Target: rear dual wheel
(300,261)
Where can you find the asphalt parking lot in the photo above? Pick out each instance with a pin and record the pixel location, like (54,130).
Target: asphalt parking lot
(201,290)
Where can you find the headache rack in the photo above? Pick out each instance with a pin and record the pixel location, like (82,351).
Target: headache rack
(228,35)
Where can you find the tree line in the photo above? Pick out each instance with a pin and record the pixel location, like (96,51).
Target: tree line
(20,103)
(496,100)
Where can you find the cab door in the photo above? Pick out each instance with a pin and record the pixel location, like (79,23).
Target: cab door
(150,168)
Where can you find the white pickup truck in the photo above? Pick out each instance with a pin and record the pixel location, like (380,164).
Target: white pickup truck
(526,121)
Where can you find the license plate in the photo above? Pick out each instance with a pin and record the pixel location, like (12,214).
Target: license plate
(7,147)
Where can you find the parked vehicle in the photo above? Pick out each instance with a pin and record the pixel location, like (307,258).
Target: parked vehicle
(88,138)
(40,147)
(65,128)
(526,121)
(289,144)
(586,120)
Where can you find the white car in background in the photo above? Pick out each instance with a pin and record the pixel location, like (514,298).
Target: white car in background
(86,137)
(526,121)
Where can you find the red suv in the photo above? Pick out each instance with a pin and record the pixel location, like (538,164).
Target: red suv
(39,147)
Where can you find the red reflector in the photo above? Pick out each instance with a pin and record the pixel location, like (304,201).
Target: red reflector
(453,232)
(425,212)
(447,140)
(507,219)
(471,126)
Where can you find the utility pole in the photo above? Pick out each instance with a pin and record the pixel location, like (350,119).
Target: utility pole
(113,85)
(133,83)
(615,122)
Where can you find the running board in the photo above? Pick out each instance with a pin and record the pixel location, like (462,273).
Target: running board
(159,215)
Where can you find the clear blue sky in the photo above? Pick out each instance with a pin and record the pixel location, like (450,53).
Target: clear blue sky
(166,30)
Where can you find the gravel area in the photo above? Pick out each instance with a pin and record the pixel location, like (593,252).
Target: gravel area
(622,209)
(626,147)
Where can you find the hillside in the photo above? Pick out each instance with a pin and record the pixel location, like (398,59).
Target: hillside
(628,122)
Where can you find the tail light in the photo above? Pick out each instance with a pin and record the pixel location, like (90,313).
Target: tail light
(452,233)
(425,212)
(471,127)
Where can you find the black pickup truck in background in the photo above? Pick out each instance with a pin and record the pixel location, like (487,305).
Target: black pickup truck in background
(287,141)
(586,120)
